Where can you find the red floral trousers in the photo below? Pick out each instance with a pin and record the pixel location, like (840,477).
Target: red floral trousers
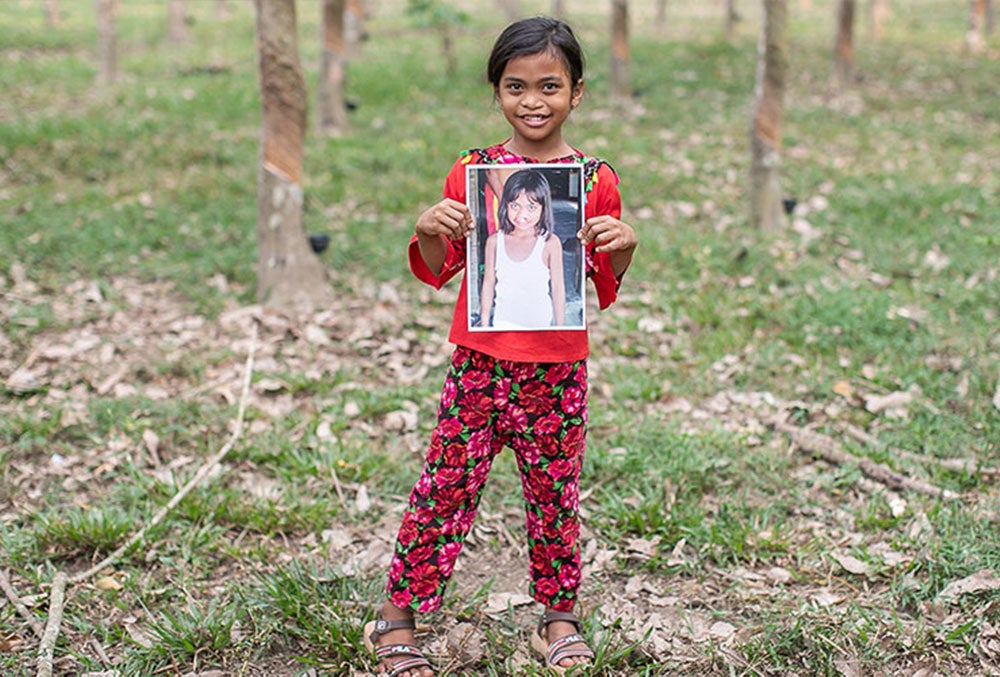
(540,412)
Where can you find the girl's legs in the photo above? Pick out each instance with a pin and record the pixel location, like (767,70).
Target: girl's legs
(550,456)
(445,499)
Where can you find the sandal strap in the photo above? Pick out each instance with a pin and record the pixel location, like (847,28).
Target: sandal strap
(391,650)
(560,649)
(550,616)
(408,664)
(383,626)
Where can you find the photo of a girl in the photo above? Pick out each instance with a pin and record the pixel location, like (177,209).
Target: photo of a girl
(527,270)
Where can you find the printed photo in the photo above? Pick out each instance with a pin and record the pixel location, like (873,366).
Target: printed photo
(525,265)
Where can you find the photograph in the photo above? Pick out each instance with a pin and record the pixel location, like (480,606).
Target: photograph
(525,266)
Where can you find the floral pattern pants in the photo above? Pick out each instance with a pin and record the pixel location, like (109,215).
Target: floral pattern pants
(540,412)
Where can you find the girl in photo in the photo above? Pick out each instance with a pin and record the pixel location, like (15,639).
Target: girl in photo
(523,259)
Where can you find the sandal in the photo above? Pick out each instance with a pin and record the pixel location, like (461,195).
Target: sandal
(554,652)
(412,656)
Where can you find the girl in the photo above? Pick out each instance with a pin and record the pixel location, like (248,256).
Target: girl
(523,389)
(523,260)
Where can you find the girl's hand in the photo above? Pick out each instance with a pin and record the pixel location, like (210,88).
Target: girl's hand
(609,234)
(448,217)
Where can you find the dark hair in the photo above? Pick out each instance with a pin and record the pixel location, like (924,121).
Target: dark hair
(534,36)
(532,183)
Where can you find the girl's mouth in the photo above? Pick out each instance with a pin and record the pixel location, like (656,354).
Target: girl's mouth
(534,120)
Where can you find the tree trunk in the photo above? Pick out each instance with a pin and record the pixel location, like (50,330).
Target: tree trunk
(331,109)
(843,49)
(732,18)
(878,14)
(289,275)
(355,25)
(177,30)
(52,18)
(765,129)
(558,9)
(621,78)
(975,38)
(448,49)
(661,15)
(222,9)
(107,44)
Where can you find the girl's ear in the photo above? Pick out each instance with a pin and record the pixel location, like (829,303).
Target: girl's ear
(577,94)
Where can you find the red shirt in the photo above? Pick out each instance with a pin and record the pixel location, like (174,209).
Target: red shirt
(601,184)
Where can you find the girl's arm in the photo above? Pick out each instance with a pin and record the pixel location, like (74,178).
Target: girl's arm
(613,236)
(553,250)
(448,219)
(489,281)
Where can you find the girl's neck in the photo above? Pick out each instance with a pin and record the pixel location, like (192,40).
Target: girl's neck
(553,151)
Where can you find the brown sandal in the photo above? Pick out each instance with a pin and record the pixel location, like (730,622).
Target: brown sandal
(412,656)
(553,652)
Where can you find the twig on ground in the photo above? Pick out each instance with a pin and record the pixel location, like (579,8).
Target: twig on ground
(46,648)
(829,450)
(8,590)
(204,471)
(968,466)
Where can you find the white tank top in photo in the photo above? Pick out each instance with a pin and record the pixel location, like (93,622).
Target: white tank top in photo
(523,299)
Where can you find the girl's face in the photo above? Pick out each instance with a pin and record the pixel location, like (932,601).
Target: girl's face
(524,213)
(536,96)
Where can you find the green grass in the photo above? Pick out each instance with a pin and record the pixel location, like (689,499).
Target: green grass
(146,190)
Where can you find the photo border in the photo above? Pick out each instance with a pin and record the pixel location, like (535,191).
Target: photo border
(567,182)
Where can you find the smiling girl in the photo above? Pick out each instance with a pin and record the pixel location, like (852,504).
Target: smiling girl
(520,389)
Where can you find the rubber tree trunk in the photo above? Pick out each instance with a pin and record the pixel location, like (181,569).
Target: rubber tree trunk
(289,275)
(177,30)
(975,38)
(732,18)
(621,77)
(107,43)
(878,14)
(331,109)
(355,25)
(52,17)
(843,48)
(765,127)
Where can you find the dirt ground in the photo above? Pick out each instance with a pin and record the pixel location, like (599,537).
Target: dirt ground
(124,338)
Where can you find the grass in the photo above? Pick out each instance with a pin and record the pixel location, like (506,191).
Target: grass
(127,240)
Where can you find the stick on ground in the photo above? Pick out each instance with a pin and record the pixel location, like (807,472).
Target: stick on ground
(204,471)
(8,590)
(829,450)
(46,648)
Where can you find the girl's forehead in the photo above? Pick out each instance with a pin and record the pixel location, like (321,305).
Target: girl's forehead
(545,63)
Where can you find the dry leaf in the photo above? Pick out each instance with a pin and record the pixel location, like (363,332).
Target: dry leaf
(400,420)
(977,582)
(843,388)
(851,564)
(498,602)
(827,598)
(893,405)
(361,501)
(107,583)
